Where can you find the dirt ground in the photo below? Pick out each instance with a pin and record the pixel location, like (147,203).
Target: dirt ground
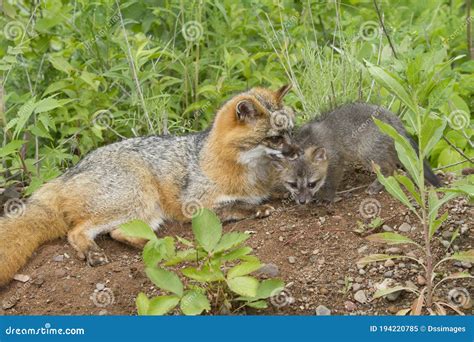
(313,248)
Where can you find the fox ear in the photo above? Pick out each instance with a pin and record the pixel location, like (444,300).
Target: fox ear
(316,154)
(280,93)
(245,110)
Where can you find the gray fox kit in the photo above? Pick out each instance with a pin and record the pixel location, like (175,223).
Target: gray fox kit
(156,178)
(345,135)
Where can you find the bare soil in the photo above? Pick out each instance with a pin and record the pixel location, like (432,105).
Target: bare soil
(314,247)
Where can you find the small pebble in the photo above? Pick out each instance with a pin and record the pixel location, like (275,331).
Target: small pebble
(99,286)
(360,296)
(350,306)
(387,228)
(269,270)
(21,277)
(58,258)
(389,263)
(321,310)
(291,259)
(404,227)
(421,280)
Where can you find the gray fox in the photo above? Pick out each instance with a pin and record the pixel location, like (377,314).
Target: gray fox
(344,135)
(157,178)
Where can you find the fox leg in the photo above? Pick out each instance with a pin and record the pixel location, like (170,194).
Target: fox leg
(387,169)
(118,235)
(81,238)
(241,211)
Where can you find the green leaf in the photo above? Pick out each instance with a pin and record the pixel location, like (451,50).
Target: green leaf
(377,257)
(186,255)
(142,303)
(194,303)
(24,114)
(390,238)
(230,240)
(269,288)
(157,250)
(244,286)
(435,224)
(207,229)
(390,82)
(206,274)
(165,280)
(392,186)
(408,184)
(46,104)
(138,228)
(12,147)
(259,304)
(407,155)
(431,133)
(61,64)
(162,305)
(384,292)
(467,256)
(236,254)
(243,269)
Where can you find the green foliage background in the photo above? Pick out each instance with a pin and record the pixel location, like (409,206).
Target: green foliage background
(79,74)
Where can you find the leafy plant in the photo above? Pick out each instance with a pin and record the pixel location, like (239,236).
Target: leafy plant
(425,203)
(211,273)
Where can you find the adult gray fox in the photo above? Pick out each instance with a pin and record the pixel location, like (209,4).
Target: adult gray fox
(157,178)
(347,134)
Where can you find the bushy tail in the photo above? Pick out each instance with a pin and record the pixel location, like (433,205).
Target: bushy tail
(26,226)
(428,172)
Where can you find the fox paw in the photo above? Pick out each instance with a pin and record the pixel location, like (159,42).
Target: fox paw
(264,211)
(96,258)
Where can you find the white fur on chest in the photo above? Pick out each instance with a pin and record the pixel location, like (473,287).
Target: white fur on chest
(225,199)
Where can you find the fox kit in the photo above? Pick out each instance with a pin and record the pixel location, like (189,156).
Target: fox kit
(345,135)
(156,178)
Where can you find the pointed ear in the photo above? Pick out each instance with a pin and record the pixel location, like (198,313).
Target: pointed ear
(316,154)
(280,93)
(245,110)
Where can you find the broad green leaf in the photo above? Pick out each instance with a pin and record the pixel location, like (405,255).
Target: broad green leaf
(194,303)
(389,81)
(244,286)
(142,303)
(157,250)
(434,203)
(236,254)
(243,269)
(431,133)
(207,229)
(390,238)
(206,274)
(162,305)
(392,186)
(384,292)
(269,288)
(186,255)
(230,240)
(377,257)
(184,241)
(408,184)
(407,155)
(165,280)
(61,64)
(138,228)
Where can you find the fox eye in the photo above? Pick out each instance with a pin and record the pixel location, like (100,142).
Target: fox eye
(311,185)
(275,139)
(292,185)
